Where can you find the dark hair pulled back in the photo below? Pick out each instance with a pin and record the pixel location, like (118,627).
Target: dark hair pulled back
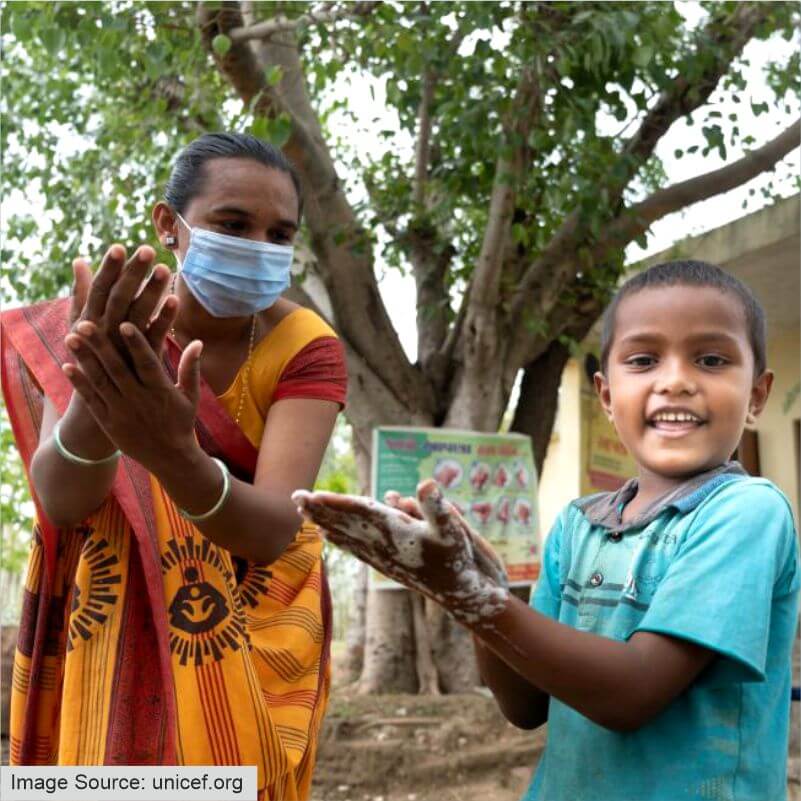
(187,177)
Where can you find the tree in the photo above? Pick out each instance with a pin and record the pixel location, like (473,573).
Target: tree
(511,210)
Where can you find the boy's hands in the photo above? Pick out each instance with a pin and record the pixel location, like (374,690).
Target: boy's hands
(425,545)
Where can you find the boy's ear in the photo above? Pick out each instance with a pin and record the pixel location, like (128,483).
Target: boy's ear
(604,395)
(759,394)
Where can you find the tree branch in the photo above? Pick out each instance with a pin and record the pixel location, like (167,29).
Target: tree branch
(327,13)
(575,318)
(509,168)
(724,37)
(343,251)
(429,258)
(422,151)
(427,247)
(638,218)
(480,332)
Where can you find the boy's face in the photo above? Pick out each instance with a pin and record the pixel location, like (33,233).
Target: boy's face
(680,381)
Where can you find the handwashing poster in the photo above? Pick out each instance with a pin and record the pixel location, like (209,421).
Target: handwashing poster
(489,478)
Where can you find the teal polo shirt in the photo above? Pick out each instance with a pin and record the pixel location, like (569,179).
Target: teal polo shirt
(715,562)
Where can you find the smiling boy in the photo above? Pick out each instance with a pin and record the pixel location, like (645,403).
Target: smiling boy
(657,645)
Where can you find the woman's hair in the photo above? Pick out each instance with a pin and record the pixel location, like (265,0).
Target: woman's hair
(187,176)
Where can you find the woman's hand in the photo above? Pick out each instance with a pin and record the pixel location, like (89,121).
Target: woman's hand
(105,300)
(429,548)
(134,401)
(117,294)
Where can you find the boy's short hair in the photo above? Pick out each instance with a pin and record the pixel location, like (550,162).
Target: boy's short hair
(690,273)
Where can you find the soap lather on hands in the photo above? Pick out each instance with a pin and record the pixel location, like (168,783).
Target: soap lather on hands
(424,545)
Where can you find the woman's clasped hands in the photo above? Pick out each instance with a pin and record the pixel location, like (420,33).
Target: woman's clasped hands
(119,325)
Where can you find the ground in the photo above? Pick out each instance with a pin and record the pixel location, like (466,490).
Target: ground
(445,748)
(421,748)
(425,748)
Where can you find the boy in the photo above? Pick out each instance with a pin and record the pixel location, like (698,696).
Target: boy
(659,639)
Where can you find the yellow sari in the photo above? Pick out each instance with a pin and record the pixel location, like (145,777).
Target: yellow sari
(141,641)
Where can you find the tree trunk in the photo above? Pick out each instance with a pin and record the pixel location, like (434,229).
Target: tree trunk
(357,617)
(454,655)
(357,621)
(427,677)
(389,653)
(386,641)
(539,399)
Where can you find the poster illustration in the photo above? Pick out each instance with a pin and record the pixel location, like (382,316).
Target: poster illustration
(606,464)
(489,478)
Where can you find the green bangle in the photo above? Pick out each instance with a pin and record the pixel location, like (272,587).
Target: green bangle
(74,458)
(226,491)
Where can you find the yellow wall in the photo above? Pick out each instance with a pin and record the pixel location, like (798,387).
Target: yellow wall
(559,483)
(777,441)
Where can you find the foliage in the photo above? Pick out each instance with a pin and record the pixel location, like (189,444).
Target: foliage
(121,86)
(338,470)
(16,508)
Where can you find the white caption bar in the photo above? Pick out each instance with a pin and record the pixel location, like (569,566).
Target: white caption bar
(128,783)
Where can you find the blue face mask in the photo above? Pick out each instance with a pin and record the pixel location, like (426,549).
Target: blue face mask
(234,277)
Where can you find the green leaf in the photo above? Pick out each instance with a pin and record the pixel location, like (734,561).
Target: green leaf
(53,38)
(260,128)
(273,75)
(281,130)
(519,234)
(642,55)
(678,153)
(20,24)
(221,44)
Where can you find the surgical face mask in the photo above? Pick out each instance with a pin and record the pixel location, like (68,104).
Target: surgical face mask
(234,277)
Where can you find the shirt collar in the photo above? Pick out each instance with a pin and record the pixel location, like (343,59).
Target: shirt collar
(606,508)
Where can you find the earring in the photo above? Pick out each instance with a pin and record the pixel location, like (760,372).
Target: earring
(169,241)
(750,419)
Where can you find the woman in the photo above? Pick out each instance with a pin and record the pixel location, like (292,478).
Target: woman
(175,609)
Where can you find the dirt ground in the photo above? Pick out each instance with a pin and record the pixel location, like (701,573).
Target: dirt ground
(421,748)
(445,748)
(425,748)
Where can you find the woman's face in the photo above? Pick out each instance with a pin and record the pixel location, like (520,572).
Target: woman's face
(241,197)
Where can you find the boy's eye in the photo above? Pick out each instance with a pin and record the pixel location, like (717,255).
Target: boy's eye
(712,360)
(640,361)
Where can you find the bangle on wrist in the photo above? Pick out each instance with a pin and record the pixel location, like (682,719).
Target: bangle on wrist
(226,491)
(74,458)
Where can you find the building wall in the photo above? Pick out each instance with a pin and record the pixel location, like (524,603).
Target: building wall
(778,444)
(560,479)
